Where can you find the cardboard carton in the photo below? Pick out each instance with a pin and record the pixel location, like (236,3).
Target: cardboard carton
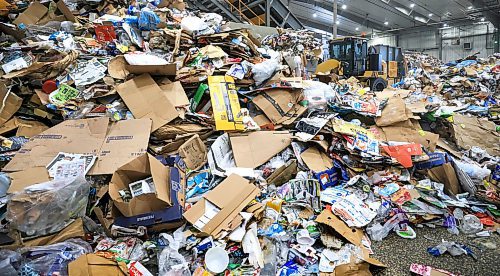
(145,99)
(175,94)
(225,103)
(281,106)
(253,149)
(140,168)
(163,219)
(153,70)
(219,210)
(92,264)
(123,141)
(315,160)
(194,153)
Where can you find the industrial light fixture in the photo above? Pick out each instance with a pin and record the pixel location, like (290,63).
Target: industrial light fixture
(357,28)
(386,23)
(482,19)
(344,6)
(470,7)
(315,15)
(445,25)
(412,5)
(338,22)
(430,14)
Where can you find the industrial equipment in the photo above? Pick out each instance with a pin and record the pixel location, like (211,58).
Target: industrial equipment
(376,66)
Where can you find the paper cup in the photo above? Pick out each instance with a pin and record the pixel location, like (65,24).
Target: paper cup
(216,260)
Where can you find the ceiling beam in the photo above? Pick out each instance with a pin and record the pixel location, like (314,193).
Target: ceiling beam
(489,14)
(327,7)
(323,27)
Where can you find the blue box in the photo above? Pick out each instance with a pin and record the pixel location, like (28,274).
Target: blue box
(170,215)
(435,159)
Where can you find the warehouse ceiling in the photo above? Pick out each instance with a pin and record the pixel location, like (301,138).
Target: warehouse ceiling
(367,16)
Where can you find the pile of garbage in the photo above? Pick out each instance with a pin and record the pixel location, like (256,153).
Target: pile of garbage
(146,138)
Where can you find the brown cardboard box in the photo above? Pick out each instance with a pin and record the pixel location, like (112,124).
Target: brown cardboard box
(145,99)
(446,174)
(253,149)
(283,174)
(137,169)
(194,153)
(471,131)
(219,210)
(92,265)
(115,146)
(353,235)
(393,112)
(281,106)
(32,14)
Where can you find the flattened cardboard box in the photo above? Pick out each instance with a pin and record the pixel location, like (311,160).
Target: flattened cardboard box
(145,99)
(153,70)
(137,169)
(256,148)
(193,152)
(219,210)
(32,14)
(124,141)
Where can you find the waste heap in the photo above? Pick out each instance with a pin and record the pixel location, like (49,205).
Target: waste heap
(145,138)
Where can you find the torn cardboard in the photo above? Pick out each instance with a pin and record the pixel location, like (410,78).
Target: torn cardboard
(145,99)
(153,70)
(219,209)
(28,177)
(446,174)
(353,235)
(393,112)
(471,131)
(137,169)
(315,160)
(12,104)
(32,14)
(122,142)
(250,151)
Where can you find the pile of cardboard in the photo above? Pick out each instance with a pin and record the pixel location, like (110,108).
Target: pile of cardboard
(142,138)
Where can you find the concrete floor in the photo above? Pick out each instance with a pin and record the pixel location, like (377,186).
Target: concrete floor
(398,254)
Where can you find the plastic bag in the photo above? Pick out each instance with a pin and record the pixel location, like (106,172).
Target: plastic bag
(52,259)
(170,261)
(473,170)
(378,231)
(264,70)
(48,207)
(10,261)
(317,94)
(471,225)
(193,24)
(148,20)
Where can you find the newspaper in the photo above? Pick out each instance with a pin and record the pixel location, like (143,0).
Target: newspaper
(67,164)
(309,127)
(86,73)
(354,211)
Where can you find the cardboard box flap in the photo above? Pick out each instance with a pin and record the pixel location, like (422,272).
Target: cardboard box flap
(256,148)
(161,176)
(315,160)
(235,185)
(175,94)
(65,11)
(145,99)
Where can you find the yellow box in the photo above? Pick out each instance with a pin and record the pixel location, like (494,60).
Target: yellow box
(225,103)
